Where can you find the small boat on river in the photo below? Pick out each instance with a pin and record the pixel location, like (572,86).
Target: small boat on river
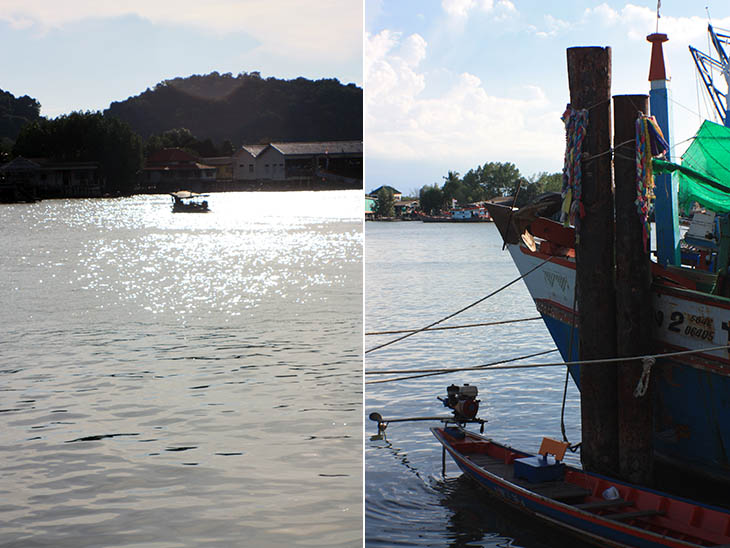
(600,510)
(185,201)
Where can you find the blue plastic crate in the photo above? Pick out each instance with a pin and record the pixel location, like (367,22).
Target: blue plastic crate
(539,469)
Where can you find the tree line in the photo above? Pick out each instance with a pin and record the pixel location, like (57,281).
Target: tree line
(491,180)
(86,137)
(247,109)
(208,115)
(94,137)
(15,112)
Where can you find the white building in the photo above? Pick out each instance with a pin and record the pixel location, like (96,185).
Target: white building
(271,162)
(245,164)
(294,161)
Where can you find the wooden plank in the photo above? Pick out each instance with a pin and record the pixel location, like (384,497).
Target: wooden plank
(601,504)
(634,515)
(559,490)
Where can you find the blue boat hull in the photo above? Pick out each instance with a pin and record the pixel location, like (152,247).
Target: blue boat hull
(692,394)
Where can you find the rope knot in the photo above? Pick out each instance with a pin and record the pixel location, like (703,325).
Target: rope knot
(643,385)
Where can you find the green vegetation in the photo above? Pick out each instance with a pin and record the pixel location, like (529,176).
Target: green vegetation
(15,113)
(208,115)
(385,204)
(86,137)
(247,108)
(431,199)
(491,180)
(184,139)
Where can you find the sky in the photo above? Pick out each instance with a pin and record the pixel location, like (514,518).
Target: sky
(84,54)
(453,84)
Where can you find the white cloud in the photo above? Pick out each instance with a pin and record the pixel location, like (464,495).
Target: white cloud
(465,123)
(635,20)
(552,27)
(283,27)
(504,9)
(459,10)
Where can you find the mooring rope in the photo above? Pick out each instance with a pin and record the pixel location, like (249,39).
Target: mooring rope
(459,311)
(486,365)
(550,364)
(465,326)
(567,373)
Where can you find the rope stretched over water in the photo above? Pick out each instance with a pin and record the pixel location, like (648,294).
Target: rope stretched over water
(458,311)
(465,326)
(551,364)
(486,365)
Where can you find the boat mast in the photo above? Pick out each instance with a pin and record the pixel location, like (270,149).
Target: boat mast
(666,190)
(705,66)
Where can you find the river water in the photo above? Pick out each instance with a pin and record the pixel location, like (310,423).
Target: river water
(415,274)
(174,380)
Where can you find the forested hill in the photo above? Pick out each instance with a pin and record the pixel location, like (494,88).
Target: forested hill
(247,109)
(15,113)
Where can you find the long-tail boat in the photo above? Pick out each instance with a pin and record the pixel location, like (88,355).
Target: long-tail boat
(598,509)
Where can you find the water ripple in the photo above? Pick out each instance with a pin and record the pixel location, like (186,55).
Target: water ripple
(156,366)
(416,274)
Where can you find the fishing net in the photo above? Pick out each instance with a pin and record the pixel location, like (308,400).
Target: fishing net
(704,175)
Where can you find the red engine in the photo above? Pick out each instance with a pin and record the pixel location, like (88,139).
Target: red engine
(463,400)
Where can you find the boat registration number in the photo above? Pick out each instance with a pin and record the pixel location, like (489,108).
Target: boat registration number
(696,326)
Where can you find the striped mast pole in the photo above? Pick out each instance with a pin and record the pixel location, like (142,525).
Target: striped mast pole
(666,190)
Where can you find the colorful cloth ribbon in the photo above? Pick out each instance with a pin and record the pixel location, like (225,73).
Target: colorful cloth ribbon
(650,143)
(576,124)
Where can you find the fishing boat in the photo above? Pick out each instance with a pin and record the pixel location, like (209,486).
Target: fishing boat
(596,508)
(185,201)
(691,309)
(690,303)
(473,213)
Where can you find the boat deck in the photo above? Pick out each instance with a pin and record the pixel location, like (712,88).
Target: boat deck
(617,510)
(557,490)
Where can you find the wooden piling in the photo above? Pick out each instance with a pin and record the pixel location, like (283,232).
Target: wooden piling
(589,78)
(633,299)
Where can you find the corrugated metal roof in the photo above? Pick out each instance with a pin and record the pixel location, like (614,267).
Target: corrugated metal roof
(218,160)
(170,155)
(254,150)
(393,190)
(321,147)
(20,164)
(178,167)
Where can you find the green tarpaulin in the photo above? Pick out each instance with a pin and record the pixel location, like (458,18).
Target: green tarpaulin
(704,175)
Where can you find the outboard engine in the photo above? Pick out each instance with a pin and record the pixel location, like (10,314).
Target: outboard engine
(463,400)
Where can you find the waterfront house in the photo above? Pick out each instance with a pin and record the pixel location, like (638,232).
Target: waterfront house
(370,202)
(24,179)
(397,194)
(19,180)
(244,162)
(223,166)
(172,169)
(336,162)
(405,208)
